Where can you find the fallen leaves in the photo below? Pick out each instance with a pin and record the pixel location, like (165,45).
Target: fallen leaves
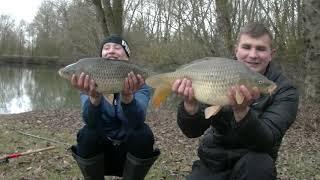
(299,156)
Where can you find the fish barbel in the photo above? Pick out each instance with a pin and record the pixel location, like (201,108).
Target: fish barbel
(211,78)
(109,75)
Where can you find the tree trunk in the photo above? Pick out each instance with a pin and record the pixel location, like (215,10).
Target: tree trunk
(101,17)
(311,20)
(110,16)
(117,16)
(224,25)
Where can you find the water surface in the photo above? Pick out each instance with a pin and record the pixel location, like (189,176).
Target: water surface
(27,88)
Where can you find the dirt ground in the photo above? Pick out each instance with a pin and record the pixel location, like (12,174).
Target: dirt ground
(299,156)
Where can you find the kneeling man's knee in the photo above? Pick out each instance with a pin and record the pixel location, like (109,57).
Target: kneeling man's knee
(140,142)
(254,166)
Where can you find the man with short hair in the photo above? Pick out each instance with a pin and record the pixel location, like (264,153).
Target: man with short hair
(114,140)
(242,140)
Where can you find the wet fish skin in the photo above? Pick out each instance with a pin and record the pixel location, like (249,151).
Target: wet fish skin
(108,74)
(211,79)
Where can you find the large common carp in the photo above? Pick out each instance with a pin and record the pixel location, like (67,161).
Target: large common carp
(211,79)
(109,75)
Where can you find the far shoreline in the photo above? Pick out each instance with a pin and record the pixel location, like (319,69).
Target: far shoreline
(36,60)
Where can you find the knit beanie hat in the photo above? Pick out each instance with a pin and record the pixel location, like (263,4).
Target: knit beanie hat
(118,40)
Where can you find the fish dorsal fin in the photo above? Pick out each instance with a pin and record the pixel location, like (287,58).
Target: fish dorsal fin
(101,58)
(192,63)
(88,59)
(211,111)
(117,61)
(204,63)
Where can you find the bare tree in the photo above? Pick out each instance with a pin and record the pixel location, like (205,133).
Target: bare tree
(109,15)
(7,35)
(223,9)
(311,21)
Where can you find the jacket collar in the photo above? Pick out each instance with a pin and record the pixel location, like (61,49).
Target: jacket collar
(273,71)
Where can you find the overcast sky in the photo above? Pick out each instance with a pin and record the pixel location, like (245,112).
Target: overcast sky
(20,9)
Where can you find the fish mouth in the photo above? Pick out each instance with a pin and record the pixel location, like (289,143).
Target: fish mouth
(61,74)
(272,89)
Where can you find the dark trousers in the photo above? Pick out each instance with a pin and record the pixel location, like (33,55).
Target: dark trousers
(251,166)
(139,143)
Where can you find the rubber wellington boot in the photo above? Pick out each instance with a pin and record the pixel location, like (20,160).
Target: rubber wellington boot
(91,168)
(136,168)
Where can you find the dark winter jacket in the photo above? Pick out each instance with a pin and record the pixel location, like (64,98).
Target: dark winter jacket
(224,140)
(116,120)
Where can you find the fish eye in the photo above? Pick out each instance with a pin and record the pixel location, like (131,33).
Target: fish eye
(260,81)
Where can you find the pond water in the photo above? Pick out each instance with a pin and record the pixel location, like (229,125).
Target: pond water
(27,88)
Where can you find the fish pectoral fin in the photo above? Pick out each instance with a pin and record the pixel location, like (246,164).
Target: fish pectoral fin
(160,94)
(211,111)
(239,97)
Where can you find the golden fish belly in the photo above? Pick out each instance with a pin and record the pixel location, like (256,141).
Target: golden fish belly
(211,93)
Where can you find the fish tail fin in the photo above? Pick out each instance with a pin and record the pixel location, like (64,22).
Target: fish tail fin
(162,86)
(160,94)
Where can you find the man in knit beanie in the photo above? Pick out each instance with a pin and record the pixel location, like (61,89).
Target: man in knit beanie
(120,144)
(117,42)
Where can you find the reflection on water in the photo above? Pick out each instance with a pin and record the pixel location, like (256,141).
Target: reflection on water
(32,88)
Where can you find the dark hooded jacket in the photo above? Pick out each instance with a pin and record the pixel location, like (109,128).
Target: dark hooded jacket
(225,141)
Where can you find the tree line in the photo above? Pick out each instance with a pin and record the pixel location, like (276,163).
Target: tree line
(168,33)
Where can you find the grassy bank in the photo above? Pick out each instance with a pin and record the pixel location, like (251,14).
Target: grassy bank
(299,155)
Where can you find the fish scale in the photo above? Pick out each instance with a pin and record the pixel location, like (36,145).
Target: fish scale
(109,75)
(207,90)
(211,78)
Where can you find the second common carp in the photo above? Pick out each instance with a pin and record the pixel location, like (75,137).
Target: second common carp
(211,79)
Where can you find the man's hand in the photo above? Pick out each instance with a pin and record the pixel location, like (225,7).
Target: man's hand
(131,84)
(88,86)
(183,88)
(249,95)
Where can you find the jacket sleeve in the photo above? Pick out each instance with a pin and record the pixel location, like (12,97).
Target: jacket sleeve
(192,125)
(136,110)
(90,113)
(85,103)
(264,130)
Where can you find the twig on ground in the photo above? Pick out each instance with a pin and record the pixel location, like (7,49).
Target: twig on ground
(46,139)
